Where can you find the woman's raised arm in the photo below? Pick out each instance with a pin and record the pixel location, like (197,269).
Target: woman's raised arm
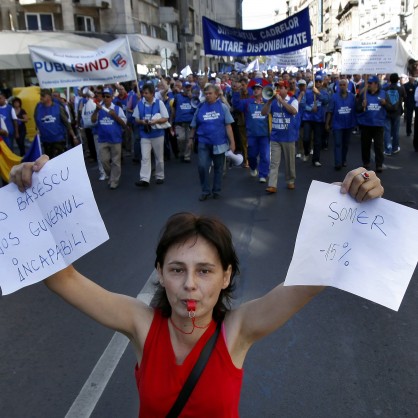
(260,317)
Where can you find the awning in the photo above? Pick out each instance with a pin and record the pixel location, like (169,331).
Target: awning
(149,48)
(14,52)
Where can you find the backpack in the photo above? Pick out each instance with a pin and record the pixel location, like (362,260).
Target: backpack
(394,99)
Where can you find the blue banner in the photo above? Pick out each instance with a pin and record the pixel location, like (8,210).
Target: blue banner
(288,35)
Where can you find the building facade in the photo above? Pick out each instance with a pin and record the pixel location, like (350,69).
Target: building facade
(336,21)
(150,25)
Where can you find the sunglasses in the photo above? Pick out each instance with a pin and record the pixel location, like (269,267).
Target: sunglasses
(107,95)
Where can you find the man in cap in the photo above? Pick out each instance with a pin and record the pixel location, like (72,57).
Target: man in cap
(150,113)
(371,118)
(181,116)
(52,123)
(284,134)
(313,119)
(257,130)
(341,111)
(111,122)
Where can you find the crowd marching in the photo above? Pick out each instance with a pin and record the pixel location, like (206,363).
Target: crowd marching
(255,117)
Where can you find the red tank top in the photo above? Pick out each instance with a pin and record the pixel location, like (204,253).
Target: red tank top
(159,379)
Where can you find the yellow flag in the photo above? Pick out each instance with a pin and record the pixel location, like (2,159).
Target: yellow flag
(7,160)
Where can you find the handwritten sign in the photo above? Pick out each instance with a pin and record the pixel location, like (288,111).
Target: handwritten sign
(50,225)
(369,249)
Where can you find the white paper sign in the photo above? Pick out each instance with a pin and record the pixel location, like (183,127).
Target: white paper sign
(368,57)
(109,64)
(369,249)
(50,225)
(297,58)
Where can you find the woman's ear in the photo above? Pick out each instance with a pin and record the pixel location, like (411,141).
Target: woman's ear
(160,274)
(227,277)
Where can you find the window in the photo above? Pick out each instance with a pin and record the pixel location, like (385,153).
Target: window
(144,29)
(153,32)
(84,23)
(39,21)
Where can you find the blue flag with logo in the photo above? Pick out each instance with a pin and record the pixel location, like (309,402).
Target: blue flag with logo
(288,35)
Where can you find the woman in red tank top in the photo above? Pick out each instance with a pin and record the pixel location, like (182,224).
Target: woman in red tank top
(196,265)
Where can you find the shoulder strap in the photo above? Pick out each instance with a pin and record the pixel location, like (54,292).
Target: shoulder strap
(194,375)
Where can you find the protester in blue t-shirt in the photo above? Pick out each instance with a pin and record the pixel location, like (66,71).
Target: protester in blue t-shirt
(371,118)
(341,113)
(212,123)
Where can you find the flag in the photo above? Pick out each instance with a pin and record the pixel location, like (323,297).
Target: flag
(7,160)
(34,152)
(252,66)
(186,71)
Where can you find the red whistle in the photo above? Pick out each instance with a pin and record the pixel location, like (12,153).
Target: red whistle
(191,305)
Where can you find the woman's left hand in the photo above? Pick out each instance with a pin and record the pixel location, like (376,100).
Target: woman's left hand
(21,174)
(362,185)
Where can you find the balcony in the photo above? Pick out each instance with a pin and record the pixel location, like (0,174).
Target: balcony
(169,15)
(102,4)
(30,2)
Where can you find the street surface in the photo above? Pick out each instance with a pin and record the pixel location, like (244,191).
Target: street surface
(341,356)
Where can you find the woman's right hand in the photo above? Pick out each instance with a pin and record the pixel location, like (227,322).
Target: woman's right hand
(21,174)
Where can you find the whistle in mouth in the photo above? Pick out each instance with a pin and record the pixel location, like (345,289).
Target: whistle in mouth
(191,305)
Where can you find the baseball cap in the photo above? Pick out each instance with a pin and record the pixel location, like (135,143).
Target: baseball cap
(373,79)
(108,90)
(301,81)
(257,85)
(187,84)
(318,78)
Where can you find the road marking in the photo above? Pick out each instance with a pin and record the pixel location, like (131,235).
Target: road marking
(92,390)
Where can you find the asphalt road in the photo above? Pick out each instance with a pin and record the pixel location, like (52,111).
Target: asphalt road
(341,356)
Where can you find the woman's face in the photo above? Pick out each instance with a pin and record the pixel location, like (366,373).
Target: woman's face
(193,271)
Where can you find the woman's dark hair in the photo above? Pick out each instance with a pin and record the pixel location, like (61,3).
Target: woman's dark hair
(17,99)
(180,228)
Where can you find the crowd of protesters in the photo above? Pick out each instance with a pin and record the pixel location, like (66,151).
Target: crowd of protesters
(259,115)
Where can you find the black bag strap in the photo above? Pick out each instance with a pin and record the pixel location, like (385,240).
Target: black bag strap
(194,375)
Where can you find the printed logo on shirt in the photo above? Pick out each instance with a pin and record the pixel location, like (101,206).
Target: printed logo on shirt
(106,121)
(211,115)
(48,119)
(344,110)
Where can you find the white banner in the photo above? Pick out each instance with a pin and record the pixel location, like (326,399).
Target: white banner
(373,57)
(297,58)
(109,64)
